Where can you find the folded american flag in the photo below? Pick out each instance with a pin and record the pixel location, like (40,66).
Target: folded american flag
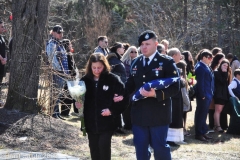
(155,84)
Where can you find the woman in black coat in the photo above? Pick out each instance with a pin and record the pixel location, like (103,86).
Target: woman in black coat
(101,105)
(221,95)
(189,70)
(175,131)
(114,59)
(189,61)
(118,68)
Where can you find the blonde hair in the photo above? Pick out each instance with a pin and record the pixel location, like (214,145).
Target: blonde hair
(126,57)
(164,41)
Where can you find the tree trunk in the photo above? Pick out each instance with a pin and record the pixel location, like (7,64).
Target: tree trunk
(29,24)
(219,27)
(185,24)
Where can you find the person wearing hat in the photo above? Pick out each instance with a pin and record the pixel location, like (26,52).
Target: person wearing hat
(57,58)
(151,116)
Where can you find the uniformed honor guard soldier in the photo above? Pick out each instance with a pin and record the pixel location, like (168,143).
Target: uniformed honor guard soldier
(151,116)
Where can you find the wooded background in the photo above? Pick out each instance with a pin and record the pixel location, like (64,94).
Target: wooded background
(187,24)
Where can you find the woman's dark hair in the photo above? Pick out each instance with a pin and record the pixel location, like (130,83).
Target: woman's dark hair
(115,46)
(96,57)
(228,69)
(216,59)
(230,56)
(190,64)
(66,43)
(126,46)
(203,53)
(216,50)
(224,61)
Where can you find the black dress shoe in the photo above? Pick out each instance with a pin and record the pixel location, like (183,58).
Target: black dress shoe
(65,115)
(58,117)
(218,129)
(207,137)
(61,117)
(201,138)
(172,144)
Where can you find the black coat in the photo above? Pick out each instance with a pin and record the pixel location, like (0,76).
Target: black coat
(71,64)
(2,53)
(97,99)
(152,111)
(117,66)
(221,85)
(177,109)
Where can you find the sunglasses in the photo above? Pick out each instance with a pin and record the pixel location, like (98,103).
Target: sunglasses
(209,57)
(133,52)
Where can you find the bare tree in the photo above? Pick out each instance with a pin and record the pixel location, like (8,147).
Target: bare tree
(29,23)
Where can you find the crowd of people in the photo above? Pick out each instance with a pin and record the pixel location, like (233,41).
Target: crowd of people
(113,75)
(159,119)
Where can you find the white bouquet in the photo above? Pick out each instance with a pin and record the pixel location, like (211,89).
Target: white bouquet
(77,90)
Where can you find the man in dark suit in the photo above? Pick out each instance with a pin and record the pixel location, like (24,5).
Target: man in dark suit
(102,45)
(151,116)
(204,93)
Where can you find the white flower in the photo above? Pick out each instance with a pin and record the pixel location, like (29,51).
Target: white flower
(77,89)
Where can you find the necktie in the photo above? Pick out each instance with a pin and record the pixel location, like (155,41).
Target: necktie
(146,62)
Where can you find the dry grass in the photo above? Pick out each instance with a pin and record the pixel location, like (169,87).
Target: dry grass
(224,146)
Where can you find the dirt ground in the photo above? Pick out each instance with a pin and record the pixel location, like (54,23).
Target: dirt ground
(46,134)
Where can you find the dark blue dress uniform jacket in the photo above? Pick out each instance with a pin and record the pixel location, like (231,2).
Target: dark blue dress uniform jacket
(205,81)
(152,111)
